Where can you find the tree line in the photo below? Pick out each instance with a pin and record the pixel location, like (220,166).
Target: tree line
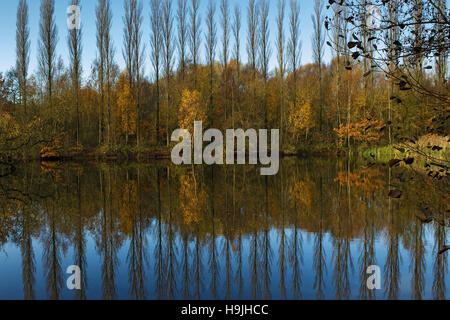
(384,83)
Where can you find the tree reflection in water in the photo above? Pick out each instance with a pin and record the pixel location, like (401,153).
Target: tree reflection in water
(164,232)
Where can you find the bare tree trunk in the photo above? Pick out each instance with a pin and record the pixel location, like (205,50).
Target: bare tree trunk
(22,49)
(138,63)
(338,42)
(47,47)
(237,46)
(109,61)
(104,65)
(265,51)
(252,21)
(224,9)
(294,45)
(168,55)
(182,34)
(133,54)
(281,61)
(194,36)
(211,42)
(156,44)
(128,52)
(318,42)
(393,17)
(75,51)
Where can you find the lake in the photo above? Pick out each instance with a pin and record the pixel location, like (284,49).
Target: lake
(165,232)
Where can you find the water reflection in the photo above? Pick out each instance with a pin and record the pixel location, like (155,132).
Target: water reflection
(166,232)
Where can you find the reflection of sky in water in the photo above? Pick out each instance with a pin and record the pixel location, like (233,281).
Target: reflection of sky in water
(268,278)
(11,280)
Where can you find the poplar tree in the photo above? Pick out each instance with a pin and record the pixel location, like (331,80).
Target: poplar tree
(211,42)
(22,49)
(318,41)
(156,46)
(281,57)
(294,45)
(75,52)
(47,46)
(167,36)
(264,50)
(195,36)
(182,12)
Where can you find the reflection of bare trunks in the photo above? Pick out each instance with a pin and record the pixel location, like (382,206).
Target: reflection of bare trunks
(156,232)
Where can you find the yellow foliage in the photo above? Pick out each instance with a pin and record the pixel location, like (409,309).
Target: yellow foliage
(300,116)
(128,206)
(190,110)
(300,193)
(9,129)
(126,105)
(192,201)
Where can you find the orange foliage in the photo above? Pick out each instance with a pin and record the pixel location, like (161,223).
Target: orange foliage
(368,130)
(367,180)
(54,149)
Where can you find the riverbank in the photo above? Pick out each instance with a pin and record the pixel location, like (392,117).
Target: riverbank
(117,153)
(424,149)
(159,153)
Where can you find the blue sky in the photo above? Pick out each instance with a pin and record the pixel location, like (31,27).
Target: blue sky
(8,22)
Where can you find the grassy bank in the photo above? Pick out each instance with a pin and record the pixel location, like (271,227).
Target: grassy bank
(386,153)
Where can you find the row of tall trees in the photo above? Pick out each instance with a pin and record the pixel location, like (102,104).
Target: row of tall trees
(355,98)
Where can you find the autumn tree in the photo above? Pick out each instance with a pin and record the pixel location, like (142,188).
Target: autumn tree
(128,52)
(195,36)
(318,41)
(264,50)
(47,46)
(75,52)
(236,27)
(368,130)
(211,42)
(281,59)
(22,49)
(191,110)
(128,35)
(138,65)
(104,65)
(225,22)
(156,56)
(126,107)
(403,47)
(252,42)
(294,45)
(301,118)
(182,16)
(417,39)
(168,50)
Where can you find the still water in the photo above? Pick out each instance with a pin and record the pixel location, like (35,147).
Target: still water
(165,232)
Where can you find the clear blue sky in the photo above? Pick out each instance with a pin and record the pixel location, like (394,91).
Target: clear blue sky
(8,25)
